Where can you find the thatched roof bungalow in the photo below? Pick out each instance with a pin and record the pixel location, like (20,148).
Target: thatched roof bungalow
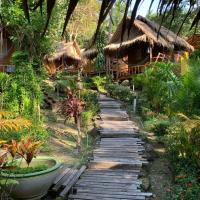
(88,57)
(6,51)
(67,56)
(142,39)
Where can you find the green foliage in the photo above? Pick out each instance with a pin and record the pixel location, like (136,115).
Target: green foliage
(188,94)
(91,106)
(137,81)
(27,36)
(36,132)
(24,93)
(4,84)
(120,92)
(157,123)
(99,82)
(196,54)
(186,185)
(183,138)
(27,170)
(66,81)
(178,19)
(159,86)
(100,44)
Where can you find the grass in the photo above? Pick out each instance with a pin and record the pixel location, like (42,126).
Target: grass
(25,170)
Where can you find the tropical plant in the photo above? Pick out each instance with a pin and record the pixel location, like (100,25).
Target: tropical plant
(164,7)
(4,83)
(72,107)
(8,122)
(99,82)
(100,44)
(24,93)
(160,84)
(184,138)
(120,92)
(26,150)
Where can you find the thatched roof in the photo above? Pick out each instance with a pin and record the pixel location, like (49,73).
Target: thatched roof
(89,53)
(194,40)
(69,50)
(144,30)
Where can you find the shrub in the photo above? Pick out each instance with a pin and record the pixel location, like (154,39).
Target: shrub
(120,92)
(87,117)
(91,108)
(184,138)
(186,185)
(99,82)
(67,81)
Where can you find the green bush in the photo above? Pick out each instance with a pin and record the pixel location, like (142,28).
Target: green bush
(90,98)
(186,184)
(36,132)
(120,92)
(137,81)
(67,81)
(99,82)
(87,117)
(183,138)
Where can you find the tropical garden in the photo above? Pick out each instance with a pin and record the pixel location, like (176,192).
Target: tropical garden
(43,117)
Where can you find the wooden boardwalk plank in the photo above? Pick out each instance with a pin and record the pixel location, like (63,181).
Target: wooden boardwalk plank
(117,159)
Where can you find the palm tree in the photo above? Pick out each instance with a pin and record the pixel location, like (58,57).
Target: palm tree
(163,8)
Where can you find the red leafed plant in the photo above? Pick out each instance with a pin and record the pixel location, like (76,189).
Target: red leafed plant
(26,150)
(72,107)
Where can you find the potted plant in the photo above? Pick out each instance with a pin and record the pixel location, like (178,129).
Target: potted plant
(32,175)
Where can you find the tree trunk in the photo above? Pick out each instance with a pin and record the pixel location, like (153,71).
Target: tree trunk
(79,135)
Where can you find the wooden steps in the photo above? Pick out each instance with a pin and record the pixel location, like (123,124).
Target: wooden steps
(66,179)
(117,159)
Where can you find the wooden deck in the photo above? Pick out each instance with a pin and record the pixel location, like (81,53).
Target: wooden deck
(117,160)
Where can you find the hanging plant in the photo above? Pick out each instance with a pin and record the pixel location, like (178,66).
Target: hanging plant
(100,44)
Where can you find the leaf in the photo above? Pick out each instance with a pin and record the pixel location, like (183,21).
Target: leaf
(196,20)
(105,8)
(134,11)
(71,7)
(50,6)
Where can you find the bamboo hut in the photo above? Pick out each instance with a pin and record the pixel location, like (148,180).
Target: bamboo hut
(146,41)
(6,51)
(88,57)
(67,57)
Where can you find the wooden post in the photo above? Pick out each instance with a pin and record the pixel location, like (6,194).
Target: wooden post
(150,53)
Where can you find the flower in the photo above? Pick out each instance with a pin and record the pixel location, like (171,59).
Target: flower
(189,185)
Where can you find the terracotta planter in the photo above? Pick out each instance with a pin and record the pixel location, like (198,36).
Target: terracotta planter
(35,185)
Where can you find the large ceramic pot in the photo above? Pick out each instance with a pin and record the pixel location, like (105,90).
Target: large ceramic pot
(35,185)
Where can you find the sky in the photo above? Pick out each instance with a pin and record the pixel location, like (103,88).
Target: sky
(144,7)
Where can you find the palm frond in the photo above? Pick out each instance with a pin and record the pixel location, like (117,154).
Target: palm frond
(50,6)
(196,20)
(14,124)
(71,7)
(133,15)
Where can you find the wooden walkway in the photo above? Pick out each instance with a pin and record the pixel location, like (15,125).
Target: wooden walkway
(117,160)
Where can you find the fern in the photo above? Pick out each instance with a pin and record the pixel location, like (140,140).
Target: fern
(9,123)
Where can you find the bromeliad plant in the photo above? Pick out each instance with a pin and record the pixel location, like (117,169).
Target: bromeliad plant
(72,107)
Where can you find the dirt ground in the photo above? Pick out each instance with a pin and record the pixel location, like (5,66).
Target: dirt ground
(62,144)
(157,175)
